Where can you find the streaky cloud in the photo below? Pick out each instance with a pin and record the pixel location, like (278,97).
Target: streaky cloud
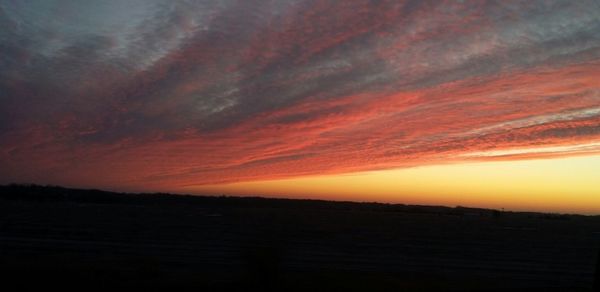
(165,94)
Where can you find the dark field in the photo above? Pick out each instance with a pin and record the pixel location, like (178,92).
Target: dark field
(54,236)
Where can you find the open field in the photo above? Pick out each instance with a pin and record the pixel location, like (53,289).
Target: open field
(56,236)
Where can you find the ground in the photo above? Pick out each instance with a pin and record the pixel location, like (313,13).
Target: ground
(56,236)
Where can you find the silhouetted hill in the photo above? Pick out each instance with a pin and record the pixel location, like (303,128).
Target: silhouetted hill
(32,192)
(91,239)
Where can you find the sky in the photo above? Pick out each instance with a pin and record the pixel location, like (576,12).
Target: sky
(479,103)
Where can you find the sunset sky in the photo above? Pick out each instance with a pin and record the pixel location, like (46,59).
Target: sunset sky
(475,103)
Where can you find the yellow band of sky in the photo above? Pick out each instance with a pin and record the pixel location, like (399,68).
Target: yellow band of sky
(565,185)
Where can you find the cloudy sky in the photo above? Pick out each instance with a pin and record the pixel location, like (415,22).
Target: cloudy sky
(162,94)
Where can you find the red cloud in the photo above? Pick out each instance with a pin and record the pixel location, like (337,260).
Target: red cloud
(544,107)
(325,88)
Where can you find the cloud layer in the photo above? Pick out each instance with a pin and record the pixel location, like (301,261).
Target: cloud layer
(165,94)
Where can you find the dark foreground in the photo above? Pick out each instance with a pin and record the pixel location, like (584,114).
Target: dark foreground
(97,240)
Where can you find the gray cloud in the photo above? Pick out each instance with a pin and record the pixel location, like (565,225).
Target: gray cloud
(137,72)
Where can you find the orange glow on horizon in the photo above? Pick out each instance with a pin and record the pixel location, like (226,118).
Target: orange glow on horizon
(565,185)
